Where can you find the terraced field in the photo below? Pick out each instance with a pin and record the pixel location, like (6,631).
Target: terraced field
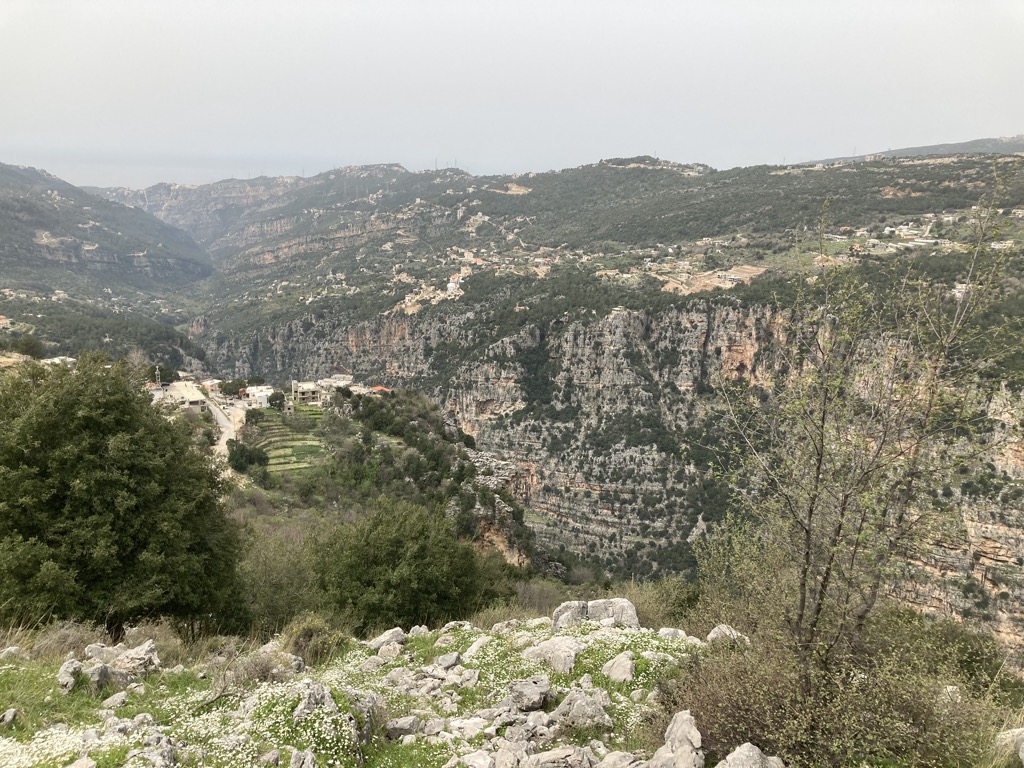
(290,441)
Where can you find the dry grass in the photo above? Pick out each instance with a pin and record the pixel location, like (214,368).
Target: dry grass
(56,641)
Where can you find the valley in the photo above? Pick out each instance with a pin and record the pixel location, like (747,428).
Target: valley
(578,325)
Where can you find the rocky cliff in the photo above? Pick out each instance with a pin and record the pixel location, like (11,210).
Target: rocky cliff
(595,413)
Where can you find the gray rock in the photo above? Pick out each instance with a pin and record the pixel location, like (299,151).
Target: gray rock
(478,759)
(11,652)
(83,762)
(569,614)
(373,663)
(105,676)
(115,701)
(140,660)
(395,635)
(618,760)
(389,651)
(621,668)
(474,649)
(537,720)
(468,727)
(314,697)
(682,745)
(433,726)
(677,634)
(9,716)
(620,610)
(403,726)
(69,674)
(1010,741)
(563,757)
(749,756)
(578,710)
(418,631)
(559,653)
(530,694)
(508,758)
(725,632)
(448,660)
(273,757)
(303,759)
(371,711)
(104,654)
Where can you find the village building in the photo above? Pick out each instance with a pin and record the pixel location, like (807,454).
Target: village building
(185,395)
(256,396)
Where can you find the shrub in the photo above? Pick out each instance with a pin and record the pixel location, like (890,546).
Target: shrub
(890,704)
(314,638)
(278,575)
(401,565)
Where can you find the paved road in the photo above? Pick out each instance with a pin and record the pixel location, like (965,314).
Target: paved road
(226,425)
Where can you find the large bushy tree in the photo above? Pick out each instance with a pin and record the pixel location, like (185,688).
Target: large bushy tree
(402,565)
(109,511)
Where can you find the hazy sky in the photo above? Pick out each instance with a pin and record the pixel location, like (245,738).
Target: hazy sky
(134,92)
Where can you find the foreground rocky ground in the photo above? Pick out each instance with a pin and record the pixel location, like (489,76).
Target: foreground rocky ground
(573,691)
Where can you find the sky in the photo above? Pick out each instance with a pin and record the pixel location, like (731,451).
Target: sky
(136,92)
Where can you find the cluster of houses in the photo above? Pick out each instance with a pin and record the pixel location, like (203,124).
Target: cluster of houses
(192,395)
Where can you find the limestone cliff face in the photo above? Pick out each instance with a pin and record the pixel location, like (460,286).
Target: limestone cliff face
(575,406)
(585,459)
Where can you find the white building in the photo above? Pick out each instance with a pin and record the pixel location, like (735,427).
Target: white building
(258,396)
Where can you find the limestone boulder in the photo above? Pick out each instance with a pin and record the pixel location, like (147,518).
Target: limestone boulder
(559,653)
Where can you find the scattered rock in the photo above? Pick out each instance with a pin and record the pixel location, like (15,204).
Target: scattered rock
(611,612)
(621,668)
(273,757)
(474,649)
(563,757)
(618,760)
(418,631)
(403,726)
(530,694)
(677,634)
(468,727)
(11,652)
(620,611)
(115,701)
(749,756)
(83,762)
(448,660)
(725,632)
(69,674)
(569,614)
(303,759)
(396,635)
(105,676)
(579,710)
(478,759)
(315,697)
(9,716)
(559,653)
(682,745)
(389,651)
